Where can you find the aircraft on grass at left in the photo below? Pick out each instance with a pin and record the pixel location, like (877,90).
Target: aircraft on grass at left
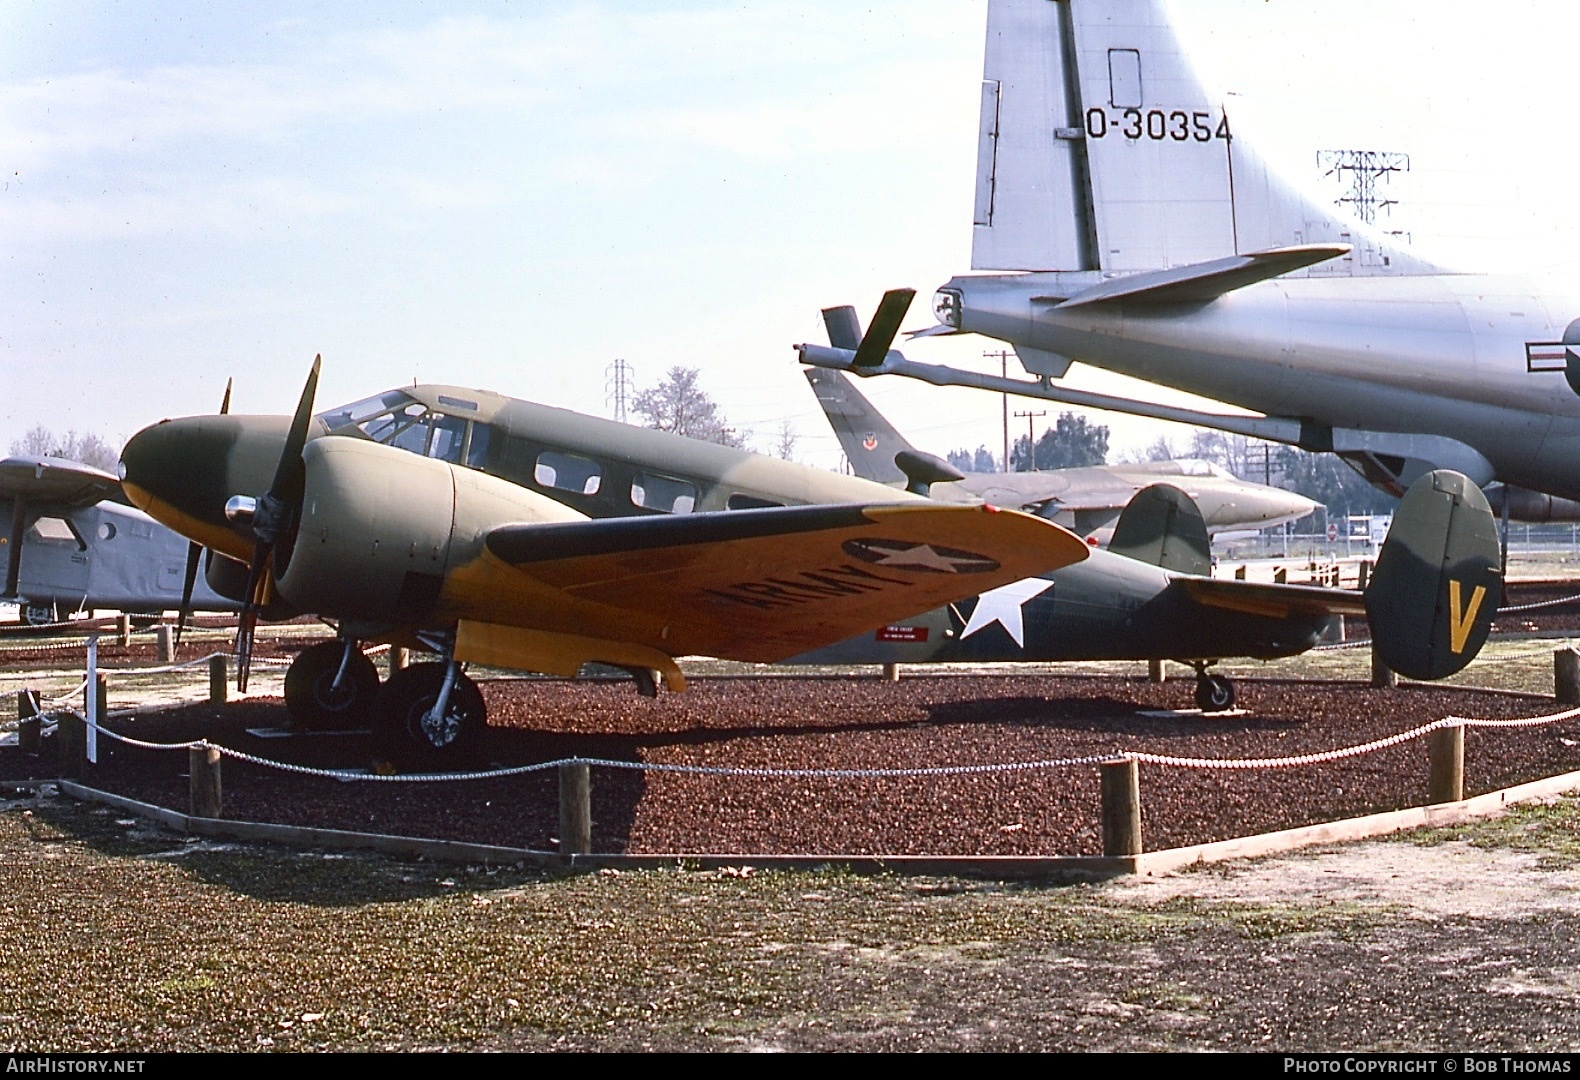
(337,516)
(74,546)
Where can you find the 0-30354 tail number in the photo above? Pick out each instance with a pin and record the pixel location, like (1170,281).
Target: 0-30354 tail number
(1158,125)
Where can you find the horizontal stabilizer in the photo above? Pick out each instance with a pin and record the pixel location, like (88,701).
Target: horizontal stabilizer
(1201,282)
(1274,601)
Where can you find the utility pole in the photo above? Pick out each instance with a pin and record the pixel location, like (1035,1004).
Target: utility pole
(617,387)
(1031,440)
(1364,168)
(1002,356)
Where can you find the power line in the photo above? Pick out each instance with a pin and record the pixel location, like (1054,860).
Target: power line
(617,387)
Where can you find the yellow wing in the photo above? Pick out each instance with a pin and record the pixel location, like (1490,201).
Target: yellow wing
(756,585)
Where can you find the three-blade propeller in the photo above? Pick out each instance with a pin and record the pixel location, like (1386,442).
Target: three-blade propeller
(274,518)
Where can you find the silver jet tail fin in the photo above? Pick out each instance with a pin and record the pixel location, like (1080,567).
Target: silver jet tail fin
(1100,150)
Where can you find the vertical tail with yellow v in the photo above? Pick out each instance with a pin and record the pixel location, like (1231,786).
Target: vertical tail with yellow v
(1437,587)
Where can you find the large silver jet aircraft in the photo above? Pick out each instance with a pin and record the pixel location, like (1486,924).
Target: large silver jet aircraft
(1132,230)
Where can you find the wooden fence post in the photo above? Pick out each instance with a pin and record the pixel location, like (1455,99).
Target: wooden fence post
(29,728)
(891,672)
(575,808)
(165,635)
(1446,752)
(72,734)
(123,630)
(1566,676)
(1156,672)
(203,765)
(1382,675)
(1121,789)
(218,684)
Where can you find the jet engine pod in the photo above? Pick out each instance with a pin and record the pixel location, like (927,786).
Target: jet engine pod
(1437,585)
(381,528)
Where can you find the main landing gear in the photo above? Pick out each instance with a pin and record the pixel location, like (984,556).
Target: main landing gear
(424,716)
(429,715)
(1214,693)
(331,686)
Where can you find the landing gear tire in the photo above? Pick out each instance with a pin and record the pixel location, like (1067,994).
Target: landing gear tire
(1214,693)
(315,702)
(406,735)
(39,614)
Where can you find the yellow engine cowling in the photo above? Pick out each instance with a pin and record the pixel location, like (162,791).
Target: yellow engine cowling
(381,527)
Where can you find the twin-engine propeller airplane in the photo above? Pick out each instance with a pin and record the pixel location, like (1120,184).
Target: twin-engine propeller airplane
(337,516)
(455,520)
(1144,238)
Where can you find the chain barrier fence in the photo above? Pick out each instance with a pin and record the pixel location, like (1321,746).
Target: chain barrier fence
(1144,757)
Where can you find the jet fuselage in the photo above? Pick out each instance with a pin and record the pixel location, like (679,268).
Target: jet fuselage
(1441,355)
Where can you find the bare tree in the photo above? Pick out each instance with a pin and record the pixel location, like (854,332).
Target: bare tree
(86,449)
(787,440)
(680,406)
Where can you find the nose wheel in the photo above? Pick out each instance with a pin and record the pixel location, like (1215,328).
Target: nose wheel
(331,685)
(417,724)
(1214,693)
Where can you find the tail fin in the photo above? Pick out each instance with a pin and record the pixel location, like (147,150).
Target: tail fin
(869,441)
(1141,172)
(1162,526)
(1437,586)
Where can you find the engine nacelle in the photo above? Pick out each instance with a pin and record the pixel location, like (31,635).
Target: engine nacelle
(1532,507)
(380,528)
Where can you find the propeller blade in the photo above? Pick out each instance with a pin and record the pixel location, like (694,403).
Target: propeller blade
(13,551)
(272,516)
(224,404)
(188,583)
(288,477)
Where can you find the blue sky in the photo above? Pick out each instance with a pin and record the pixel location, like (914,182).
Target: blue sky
(511,196)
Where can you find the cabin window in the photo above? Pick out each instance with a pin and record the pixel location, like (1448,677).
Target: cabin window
(749,502)
(567,472)
(665,494)
(106,531)
(58,531)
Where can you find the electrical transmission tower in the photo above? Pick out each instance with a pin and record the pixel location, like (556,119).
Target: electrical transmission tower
(1364,169)
(617,387)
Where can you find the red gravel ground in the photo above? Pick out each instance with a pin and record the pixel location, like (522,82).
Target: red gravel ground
(850,722)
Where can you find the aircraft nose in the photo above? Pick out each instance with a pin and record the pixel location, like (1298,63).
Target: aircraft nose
(181,464)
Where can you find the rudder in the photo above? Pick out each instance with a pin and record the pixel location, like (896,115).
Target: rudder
(1437,586)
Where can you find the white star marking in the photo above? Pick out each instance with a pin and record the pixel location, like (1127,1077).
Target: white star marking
(1002,605)
(925,557)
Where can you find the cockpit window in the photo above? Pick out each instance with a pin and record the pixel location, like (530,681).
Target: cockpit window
(358,412)
(396,419)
